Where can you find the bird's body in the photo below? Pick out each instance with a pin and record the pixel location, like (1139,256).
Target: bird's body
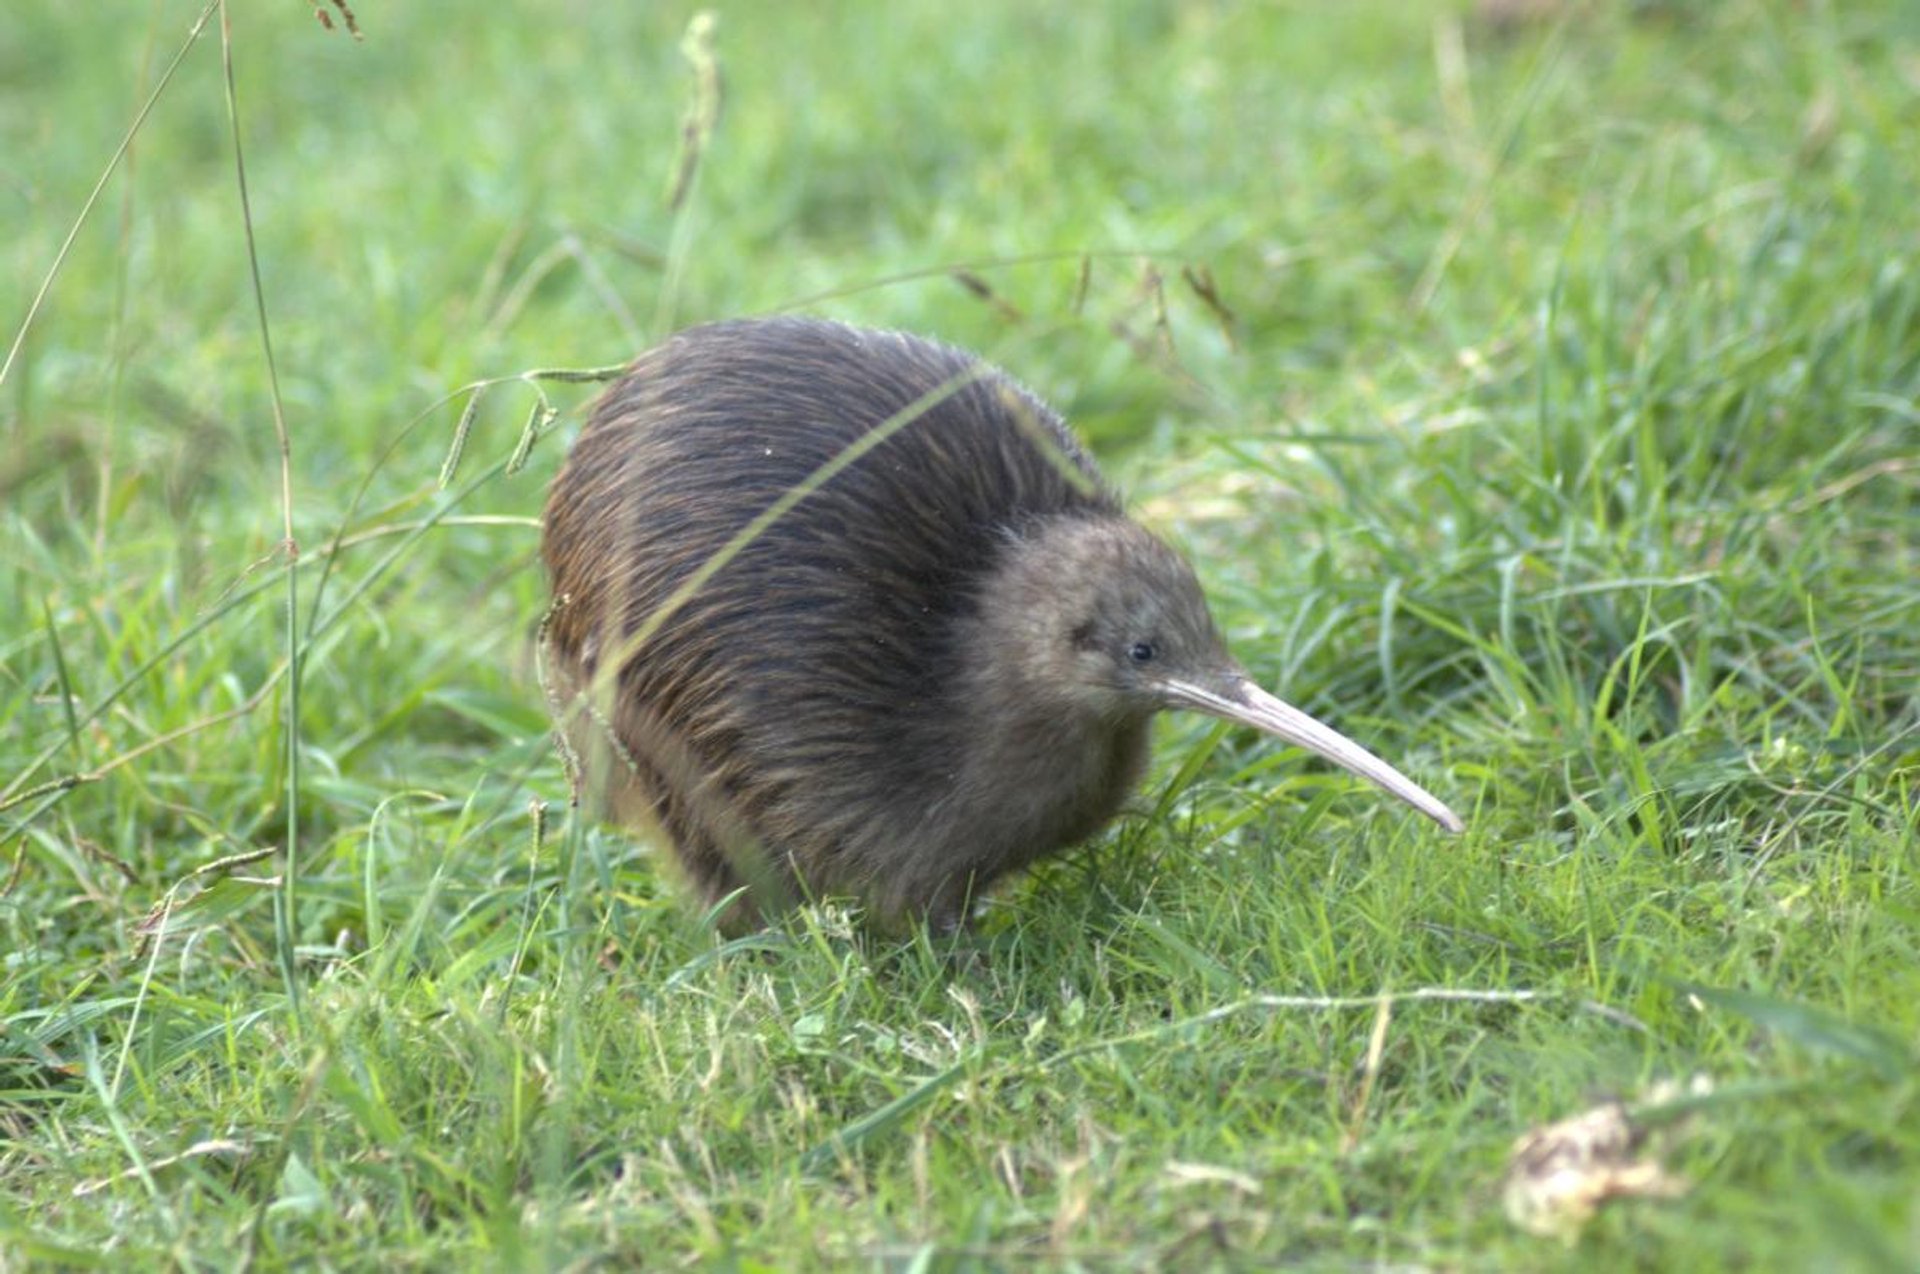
(851,613)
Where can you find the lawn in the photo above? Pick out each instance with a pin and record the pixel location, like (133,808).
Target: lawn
(1534,387)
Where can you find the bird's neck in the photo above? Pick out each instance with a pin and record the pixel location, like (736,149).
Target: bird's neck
(1052,774)
(1026,731)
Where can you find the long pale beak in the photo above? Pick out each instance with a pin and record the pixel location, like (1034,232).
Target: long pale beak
(1240,700)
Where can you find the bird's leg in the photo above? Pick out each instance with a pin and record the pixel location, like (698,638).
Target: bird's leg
(950,909)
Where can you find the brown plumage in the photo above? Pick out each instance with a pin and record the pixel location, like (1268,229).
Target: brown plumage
(880,627)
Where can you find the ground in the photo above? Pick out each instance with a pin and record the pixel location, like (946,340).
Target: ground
(1534,385)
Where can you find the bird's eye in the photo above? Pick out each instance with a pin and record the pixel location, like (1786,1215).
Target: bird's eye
(1142,652)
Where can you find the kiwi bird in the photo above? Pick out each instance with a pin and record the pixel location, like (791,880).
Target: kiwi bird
(852,613)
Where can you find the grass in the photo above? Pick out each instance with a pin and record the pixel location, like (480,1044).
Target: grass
(1553,428)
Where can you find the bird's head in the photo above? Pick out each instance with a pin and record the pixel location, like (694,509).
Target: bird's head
(1105,620)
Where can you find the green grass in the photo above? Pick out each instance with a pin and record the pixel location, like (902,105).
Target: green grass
(1557,434)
